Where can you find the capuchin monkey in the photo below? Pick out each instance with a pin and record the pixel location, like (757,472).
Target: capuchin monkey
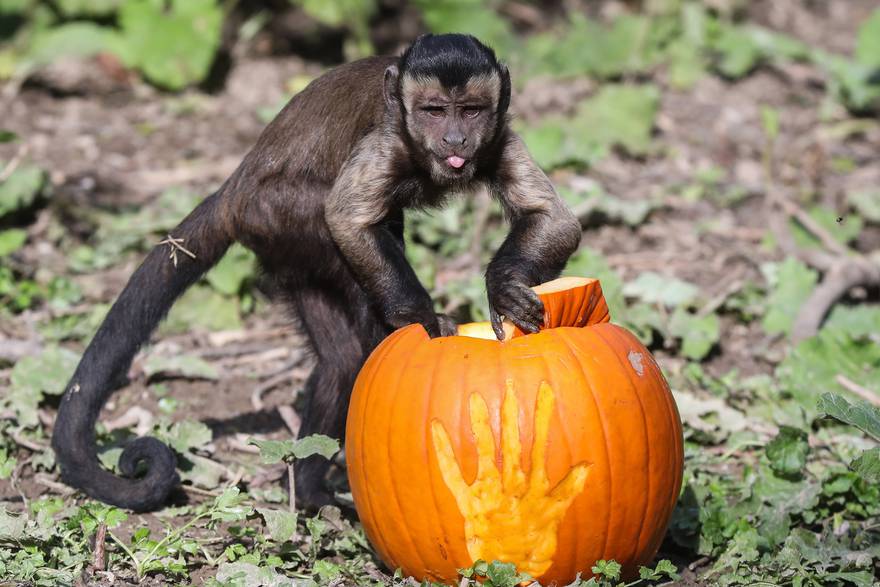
(320,199)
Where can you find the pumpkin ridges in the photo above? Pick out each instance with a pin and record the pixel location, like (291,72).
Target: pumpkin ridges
(566,343)
(367,375)
(559,406)
(396,390)
(673,458)
(613,344)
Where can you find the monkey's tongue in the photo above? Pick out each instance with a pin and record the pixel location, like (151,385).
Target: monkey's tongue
(455,161)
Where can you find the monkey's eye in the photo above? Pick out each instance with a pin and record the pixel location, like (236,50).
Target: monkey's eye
(472,111)
(435,111)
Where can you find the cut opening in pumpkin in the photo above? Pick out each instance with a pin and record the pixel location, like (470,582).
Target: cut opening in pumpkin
(568,302)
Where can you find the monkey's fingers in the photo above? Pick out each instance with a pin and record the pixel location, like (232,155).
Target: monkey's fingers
(496,319)
(448,327)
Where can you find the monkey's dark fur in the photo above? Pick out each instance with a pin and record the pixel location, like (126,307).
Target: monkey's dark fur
(320,199)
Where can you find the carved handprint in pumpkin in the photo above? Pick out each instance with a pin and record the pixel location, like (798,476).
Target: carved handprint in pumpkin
(508,515)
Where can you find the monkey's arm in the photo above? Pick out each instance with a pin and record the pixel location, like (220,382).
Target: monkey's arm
(543,235)
(356,212)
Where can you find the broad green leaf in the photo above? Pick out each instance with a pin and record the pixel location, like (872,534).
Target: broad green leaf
(201,471)
(788,452)
(186,435)
(11,240)
(867,203)
(21,189)
(737,51)
(862,415)
(618,115)
(236,266)
(172,42)
(815,365)
(7,136)
(868,42)
(791,283)
(203,307)
(47,372)
(88,7)
(698,334)
(230,506)
(842,228)
(281,524)
(316,444)
(867,466)
(186,366)
(80,39)
(273,451)
(12,527)
(473,17)
(654,288)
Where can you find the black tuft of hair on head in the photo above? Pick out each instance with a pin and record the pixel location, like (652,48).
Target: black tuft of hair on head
(453,58)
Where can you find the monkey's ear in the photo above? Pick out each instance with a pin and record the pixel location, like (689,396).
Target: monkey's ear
(390,87)
(504,94)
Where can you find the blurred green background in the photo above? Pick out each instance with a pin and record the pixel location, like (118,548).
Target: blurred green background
(722,156)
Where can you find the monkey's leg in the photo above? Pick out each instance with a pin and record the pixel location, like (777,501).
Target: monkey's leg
(342,332)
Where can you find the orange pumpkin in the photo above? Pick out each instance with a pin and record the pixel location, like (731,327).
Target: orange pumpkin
(548,450)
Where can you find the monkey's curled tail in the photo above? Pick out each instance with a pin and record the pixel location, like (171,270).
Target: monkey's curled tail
(146,299)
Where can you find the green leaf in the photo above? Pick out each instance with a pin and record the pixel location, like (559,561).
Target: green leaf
(281,524)
(47,372)
(273,451)
(90,8)
(868,42)
(202,307)
(867,203)
(815,366)
(21,189)
(201,471)
(11,240)
(607,569)
(618,115)
(316,444)
(229,506)
(862,415)
(78,39)
(473,17)
(737,51)
(172,42)
(842,228)
(867,465)
(229,275)
(186,366)
(654,288)
(791,283)
(788,452)
(7,136)
(186,435)
(861,321)
(12,526)
(698,333)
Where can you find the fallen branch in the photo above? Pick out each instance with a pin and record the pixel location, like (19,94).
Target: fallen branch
(847,274)
(99,558)
(859,390)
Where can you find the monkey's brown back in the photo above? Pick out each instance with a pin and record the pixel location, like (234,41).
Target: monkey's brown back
(320,126)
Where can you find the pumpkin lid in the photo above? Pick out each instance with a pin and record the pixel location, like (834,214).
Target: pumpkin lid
(568,302)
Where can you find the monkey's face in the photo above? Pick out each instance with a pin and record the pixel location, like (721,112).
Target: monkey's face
(451,126)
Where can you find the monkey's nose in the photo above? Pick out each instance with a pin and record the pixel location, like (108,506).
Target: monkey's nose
(455,140)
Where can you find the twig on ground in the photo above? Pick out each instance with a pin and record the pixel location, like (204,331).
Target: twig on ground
(849,273)
(239,443)
(99,558)
(291,419)
(55,486)
(13,164)
(863,392)
(28,444)
(287,372)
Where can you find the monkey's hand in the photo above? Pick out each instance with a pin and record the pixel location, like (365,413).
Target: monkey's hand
(434,324)
(517,303)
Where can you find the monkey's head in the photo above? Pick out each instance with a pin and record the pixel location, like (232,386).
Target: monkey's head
(451,95)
